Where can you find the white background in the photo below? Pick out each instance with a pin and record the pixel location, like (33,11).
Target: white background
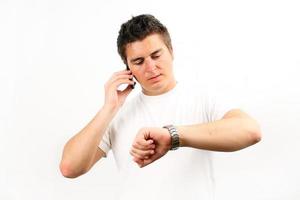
(55,57)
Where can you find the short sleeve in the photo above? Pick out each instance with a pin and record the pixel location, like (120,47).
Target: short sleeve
(105,143)
(219,103)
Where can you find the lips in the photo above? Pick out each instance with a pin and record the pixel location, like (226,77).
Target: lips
(154,77)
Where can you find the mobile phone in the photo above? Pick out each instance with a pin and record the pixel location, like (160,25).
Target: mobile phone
(132,86)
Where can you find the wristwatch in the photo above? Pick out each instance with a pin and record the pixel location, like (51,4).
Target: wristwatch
(174,136)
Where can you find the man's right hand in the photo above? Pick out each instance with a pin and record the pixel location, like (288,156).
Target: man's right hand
(113,97)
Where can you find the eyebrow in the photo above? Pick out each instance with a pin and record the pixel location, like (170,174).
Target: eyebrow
(139,58)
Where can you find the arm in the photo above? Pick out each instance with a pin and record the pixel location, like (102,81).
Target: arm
(235,131)
(81,152)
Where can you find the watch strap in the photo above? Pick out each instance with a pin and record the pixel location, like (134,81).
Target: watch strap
(174,136)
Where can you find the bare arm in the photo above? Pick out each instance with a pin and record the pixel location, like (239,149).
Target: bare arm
(81,152)
(235,131)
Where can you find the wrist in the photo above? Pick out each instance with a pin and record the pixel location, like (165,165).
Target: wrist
(180,134)
(109,109)
(174,136)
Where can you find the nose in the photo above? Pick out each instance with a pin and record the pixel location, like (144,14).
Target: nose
(150,65)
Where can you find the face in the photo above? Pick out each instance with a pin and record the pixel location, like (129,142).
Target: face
(151,62)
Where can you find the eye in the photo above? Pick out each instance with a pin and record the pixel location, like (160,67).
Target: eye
(139,63)
(155,56)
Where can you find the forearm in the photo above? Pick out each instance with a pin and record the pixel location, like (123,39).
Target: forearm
(230,134)
(80,150)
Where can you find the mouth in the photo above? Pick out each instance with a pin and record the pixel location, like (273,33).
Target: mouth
(154,77)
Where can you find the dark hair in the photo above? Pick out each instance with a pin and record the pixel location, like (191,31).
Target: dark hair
(138,28)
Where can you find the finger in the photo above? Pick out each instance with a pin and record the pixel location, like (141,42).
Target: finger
(114,78)
(142,147)
(141,141)
(135,155)
(146,162)
(118,73)
(121,76)
(117,83)
(140,162)
(143,162)
(125,71)
(151,159)
(141,153)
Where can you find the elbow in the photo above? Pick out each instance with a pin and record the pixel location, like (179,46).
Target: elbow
(252,138)
(251,135)
(67,171)
(254,133)
(255,137)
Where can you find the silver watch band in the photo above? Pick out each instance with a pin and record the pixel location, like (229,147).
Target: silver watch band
(174,136)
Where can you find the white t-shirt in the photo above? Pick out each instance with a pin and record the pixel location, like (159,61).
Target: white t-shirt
(186,173)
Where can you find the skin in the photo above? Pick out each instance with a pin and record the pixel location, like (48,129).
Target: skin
(81,152)
(236,130)
(146,59)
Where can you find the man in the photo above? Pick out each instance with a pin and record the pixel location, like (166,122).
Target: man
(163,118)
